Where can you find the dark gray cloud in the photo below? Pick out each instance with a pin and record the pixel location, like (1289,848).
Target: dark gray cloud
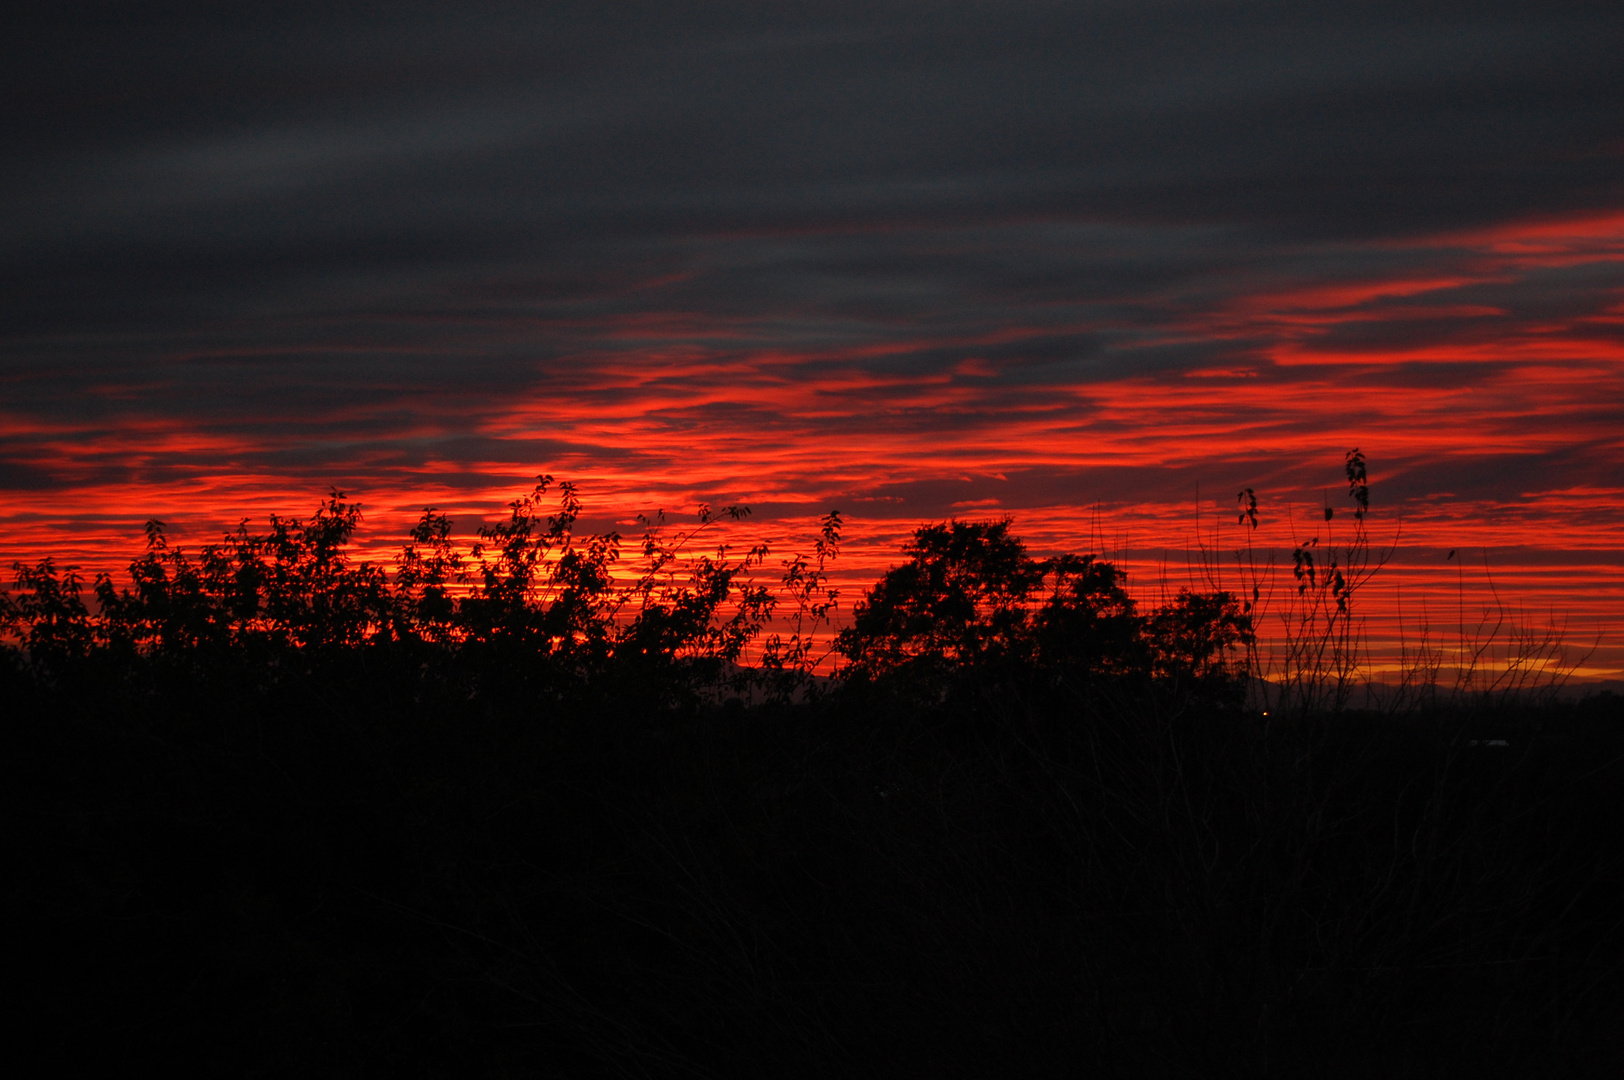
(347,232)
(206,145)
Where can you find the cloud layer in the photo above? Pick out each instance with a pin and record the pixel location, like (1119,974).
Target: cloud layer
(908,259)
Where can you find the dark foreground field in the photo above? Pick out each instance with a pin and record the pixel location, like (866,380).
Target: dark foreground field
(330,879)
(502,812)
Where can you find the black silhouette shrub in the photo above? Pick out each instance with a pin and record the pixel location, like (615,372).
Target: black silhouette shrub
(970,609)
(525,809)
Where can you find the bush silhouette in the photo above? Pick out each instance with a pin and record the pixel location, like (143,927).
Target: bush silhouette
(1194,638)
(970,608)
(959,604)
(1089,631)
(548,803)
(531,602)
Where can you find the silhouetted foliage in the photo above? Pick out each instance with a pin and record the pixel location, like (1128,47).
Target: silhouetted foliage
(554,804)
(1194,638)
(1088,630)
(959,604)
(50,617)
(971,608)
(790,662)
(531,602)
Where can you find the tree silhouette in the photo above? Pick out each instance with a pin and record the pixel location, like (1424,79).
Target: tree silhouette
(959,604)
(50,617)
(537,608)
(1089,630)
(1193,639)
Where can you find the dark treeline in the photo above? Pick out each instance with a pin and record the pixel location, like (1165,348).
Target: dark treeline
(575,621)
(538,806)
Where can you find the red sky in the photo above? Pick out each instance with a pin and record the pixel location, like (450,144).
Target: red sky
(1081,265)
(1451,376)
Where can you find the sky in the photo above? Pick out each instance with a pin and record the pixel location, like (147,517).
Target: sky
(1096,266)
